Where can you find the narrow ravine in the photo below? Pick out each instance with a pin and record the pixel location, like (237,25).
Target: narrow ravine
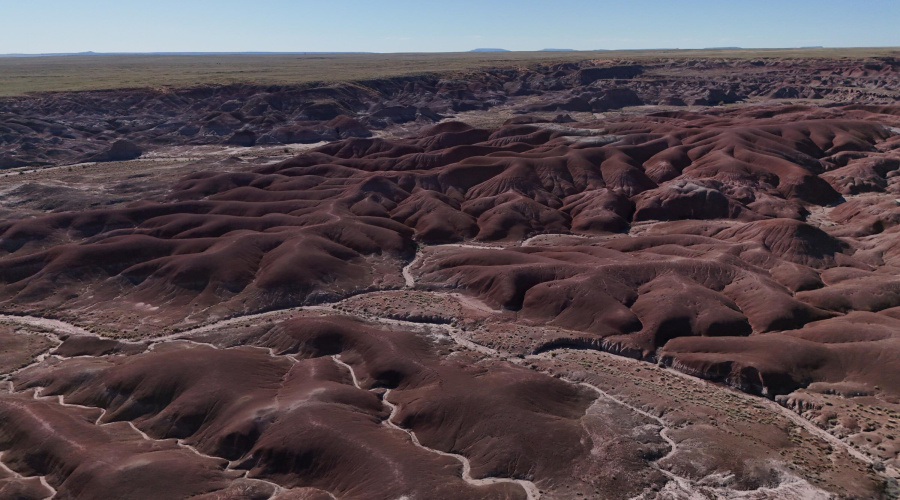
(683,485)
(16,475)
(453,333)
(531,491)
(60,399)
(45,484)
(9,471)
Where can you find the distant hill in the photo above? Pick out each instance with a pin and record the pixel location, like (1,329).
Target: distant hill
(488,50)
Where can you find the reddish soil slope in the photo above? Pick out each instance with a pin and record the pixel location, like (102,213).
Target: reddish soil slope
(751,245)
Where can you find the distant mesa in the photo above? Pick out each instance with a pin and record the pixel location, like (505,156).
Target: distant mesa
(489,50)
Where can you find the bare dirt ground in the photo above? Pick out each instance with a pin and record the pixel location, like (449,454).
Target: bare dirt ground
(564,293)
(719,441)
(29,191)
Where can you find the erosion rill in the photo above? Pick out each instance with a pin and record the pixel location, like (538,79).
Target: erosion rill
(607,278)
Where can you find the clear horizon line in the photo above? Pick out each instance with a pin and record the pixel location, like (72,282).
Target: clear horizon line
(477,49)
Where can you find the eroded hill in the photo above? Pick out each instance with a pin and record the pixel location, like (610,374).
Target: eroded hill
(664,302)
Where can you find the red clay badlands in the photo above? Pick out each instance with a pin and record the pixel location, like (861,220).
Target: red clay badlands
(434,316)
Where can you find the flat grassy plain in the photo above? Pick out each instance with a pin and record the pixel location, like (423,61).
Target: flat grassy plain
(24,75)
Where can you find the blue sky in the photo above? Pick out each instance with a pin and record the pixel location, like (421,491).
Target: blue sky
(40,26)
